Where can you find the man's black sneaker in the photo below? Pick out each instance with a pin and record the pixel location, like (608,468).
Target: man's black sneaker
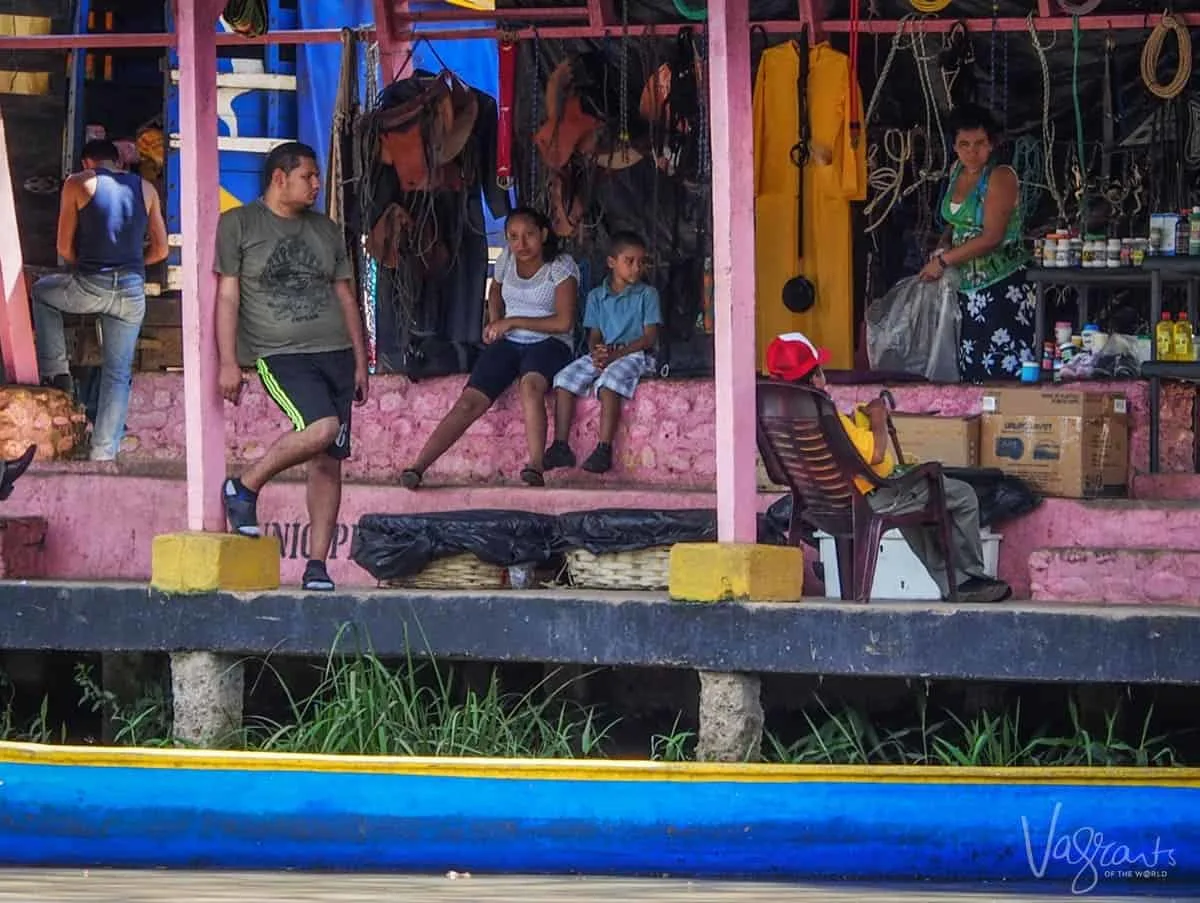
(559,454)
(983,589)
(241,508)
(316,578)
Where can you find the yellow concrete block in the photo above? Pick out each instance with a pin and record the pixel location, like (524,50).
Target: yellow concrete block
(206,562)
(744,572)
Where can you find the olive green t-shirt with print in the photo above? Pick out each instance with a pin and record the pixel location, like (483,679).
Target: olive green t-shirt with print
(286,271)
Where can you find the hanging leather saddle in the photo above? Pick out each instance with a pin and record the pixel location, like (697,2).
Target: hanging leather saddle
(670,102)
(579,135)
(424,123)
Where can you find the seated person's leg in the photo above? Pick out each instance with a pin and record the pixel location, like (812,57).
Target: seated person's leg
(572,381)
(493,372)
(616,383)
(540,364)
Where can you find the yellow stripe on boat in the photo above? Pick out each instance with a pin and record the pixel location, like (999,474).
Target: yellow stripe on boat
(587,770)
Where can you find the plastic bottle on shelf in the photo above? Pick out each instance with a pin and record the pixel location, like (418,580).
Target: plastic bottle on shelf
(1164,338)
(1185,348)
(1183,233)
(1194,233)
(1089,332)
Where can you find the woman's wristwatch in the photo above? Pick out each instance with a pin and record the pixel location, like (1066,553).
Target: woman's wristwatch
(939,256)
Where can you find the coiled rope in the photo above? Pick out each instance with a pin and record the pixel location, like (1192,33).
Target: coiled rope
(1152,53)
(1047,125)
(1076,40)
(247,17)
(1029,164)
(928,7)
(887,181)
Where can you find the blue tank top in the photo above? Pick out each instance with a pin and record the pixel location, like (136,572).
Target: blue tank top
(112,227)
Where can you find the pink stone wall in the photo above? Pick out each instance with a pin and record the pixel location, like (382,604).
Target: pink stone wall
(102,518)
(665,440)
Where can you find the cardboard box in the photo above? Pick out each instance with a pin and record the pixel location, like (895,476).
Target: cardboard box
(1070,444)
(954,441)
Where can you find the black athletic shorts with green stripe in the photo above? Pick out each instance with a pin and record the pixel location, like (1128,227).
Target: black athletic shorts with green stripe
(310,386)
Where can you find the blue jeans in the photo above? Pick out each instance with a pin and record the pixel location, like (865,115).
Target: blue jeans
(120,301)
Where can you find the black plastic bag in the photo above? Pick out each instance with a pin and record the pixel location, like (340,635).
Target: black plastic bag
(1001,496)
(390,546)
(629,529)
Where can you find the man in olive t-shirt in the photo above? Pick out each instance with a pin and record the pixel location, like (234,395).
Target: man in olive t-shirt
(286,306)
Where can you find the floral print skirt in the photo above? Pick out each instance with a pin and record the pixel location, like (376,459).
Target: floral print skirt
(997,330)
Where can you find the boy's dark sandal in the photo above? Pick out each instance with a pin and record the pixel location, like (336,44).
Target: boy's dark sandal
(410,479)
(600,460)
(241,508)
(531,476)
(983,589)
(559,454)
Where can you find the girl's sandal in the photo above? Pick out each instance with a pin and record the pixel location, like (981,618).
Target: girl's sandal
(531,476)
(410,479)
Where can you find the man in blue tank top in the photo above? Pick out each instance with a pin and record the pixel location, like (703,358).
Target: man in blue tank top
(110,226)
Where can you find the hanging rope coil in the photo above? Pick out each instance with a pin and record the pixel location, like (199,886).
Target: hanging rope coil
(1152,53)
(928,7)
(247,17)
(1078,9)
(1047,126)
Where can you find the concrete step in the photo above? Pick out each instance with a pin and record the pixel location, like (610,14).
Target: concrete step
(1125,576)
(22,547)
(1167,486)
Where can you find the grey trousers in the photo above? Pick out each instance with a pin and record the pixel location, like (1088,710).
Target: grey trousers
(963,505)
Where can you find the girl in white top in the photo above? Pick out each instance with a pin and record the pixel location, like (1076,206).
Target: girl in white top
(531,317)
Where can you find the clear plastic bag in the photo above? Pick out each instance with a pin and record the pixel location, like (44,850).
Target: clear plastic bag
(914,328)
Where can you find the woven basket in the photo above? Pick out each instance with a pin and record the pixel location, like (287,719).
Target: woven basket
(645,569)
(454,572)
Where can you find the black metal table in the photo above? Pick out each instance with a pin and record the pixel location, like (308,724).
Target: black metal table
(1163,270)
(1145,276)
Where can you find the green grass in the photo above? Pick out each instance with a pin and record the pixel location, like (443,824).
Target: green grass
(366,706)
(988,739)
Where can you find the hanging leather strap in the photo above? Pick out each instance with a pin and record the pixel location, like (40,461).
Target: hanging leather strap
(508,69)
(802,148)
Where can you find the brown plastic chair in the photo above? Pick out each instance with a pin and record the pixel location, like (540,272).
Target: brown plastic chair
(805,447)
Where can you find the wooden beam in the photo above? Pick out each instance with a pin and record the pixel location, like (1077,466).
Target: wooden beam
(813,12)
(395,48)
(600,13)
(733,267)
(204,410)
(16,326)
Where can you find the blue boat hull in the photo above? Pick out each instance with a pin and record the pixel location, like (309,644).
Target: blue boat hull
(1090,830)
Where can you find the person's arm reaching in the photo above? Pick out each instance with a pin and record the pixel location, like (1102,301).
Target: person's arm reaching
(157,250)
(344,288)
(228,302)
(68,220)
(229,299)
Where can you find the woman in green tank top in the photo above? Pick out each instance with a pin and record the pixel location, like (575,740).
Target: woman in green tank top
(983,240)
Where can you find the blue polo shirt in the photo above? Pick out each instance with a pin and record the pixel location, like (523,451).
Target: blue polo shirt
(622,318)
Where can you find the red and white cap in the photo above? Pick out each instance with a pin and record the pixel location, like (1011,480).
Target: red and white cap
(792,357)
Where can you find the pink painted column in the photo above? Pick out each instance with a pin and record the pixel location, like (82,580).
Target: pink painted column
(204,410)
(16,330)
(733,267)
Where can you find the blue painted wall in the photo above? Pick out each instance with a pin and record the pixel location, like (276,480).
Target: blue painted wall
(1050,837)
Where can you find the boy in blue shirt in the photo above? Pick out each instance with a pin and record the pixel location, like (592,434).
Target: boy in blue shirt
(622,316)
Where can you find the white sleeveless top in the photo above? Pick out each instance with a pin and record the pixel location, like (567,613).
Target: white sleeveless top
(532,297)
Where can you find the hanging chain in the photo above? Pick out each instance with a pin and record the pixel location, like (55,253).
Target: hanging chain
(623,135)
(534,115)
(704,164)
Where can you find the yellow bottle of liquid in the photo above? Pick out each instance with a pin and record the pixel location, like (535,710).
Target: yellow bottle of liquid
(1164,338)
(1185,347)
